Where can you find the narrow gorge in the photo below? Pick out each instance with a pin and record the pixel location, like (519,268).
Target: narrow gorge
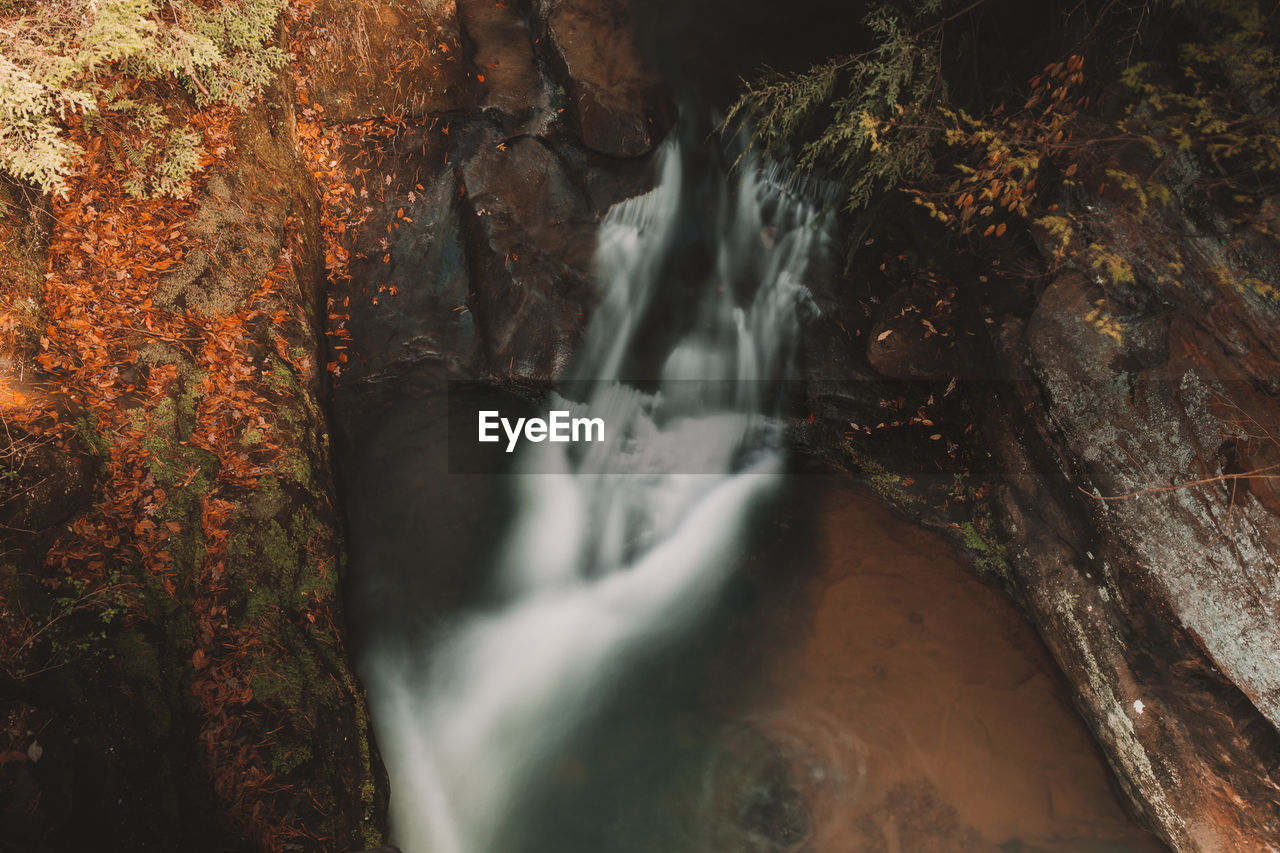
(935,350)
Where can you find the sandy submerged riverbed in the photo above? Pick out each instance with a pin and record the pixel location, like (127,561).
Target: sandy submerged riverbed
(857,690)
(918,711)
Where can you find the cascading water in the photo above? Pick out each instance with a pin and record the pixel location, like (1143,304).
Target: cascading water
(614,544)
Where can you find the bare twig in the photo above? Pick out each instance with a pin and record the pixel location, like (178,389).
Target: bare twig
(1255,474)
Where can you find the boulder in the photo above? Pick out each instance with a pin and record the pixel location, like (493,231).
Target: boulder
(618,103)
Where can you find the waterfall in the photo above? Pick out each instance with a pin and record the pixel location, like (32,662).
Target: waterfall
(618,544)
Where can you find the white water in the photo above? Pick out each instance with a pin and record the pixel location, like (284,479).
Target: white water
(617,544)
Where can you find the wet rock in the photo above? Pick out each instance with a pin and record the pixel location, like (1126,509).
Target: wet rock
(774,813)
(519,189)
(412,279)
(755,804)
(1142,544)
(910,341)
(503,64)
(1119,485)
(532,244)
(619,107)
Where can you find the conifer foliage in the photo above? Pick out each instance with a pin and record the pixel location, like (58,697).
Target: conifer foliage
(856,114)
(104,62)
(1198,79)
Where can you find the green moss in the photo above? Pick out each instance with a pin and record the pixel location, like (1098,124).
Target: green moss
(296,411)
(372,836)
(268,498)
(280,376)
(279,575)
(297,468)
(89,432)
(284,761)
(990,555)
(885,483)
(270,549)
(141,668)
(368,790)
(186,474)
(171,460)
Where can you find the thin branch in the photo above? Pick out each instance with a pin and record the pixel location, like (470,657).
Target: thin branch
(1255,474)
(966,10)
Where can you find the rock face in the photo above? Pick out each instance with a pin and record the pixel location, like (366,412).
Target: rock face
(473,263)
(1142,517)
(616,100)
(475,258)
(199,695)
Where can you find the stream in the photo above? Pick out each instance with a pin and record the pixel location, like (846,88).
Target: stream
(677,639)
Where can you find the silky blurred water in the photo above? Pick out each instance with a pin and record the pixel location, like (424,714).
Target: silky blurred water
(617,546)
(672,641)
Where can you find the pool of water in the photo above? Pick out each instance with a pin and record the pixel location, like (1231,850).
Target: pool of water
(853,687)
(668,642)
(855,690)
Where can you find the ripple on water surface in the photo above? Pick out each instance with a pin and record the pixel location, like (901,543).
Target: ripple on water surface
(857,691)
